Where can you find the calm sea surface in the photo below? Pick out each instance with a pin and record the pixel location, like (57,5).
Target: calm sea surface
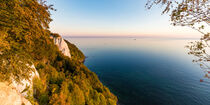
(146,71)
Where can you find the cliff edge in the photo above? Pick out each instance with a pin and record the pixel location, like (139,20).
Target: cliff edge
(62,45)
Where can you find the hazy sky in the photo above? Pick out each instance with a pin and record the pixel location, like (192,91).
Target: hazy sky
(113,18)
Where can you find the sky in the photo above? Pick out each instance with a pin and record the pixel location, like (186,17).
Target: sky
(113,18)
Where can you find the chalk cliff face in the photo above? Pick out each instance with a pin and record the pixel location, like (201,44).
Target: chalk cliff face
(25,84)
(62,45)
(14,93)
(10,96)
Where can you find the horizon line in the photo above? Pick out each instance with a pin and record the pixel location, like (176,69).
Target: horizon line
(158,37)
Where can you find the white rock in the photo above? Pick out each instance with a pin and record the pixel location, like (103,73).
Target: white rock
(25,83)
(62,45)
(10,96)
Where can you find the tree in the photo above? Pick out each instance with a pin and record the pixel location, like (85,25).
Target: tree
(196,15)
(21,22)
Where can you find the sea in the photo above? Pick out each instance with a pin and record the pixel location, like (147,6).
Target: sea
(146,71)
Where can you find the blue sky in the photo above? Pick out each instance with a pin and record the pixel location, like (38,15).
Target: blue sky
(113,18)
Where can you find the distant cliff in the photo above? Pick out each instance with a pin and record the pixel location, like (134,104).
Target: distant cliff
(67,81)
(62,45)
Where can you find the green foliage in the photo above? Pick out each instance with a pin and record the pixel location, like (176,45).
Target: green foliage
(14,65)
(70,82)
(22,22)
(76,54)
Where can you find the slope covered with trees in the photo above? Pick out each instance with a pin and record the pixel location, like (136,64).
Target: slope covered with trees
(25,40)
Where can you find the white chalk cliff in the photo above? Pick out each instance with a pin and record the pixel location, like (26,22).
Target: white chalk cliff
(10,96)
(25,83)
(62,45)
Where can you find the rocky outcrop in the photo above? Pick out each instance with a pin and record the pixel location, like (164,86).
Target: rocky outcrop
(10,96)
(15,93)
(62,45)
(25,84)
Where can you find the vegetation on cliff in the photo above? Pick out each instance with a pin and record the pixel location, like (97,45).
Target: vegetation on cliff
(25,40)
(75,52)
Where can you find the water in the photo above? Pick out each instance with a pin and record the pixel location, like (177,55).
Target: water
(146,71)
